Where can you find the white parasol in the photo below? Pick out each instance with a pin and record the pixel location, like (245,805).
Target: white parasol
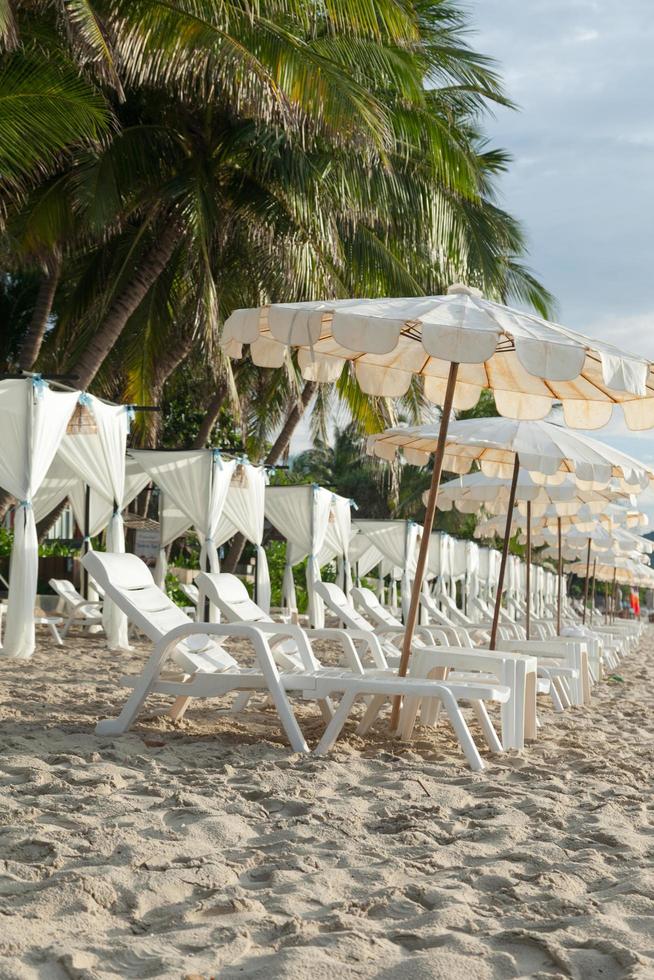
(501,446)
(458,344)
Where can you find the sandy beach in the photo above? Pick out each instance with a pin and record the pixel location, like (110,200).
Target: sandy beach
(209,850)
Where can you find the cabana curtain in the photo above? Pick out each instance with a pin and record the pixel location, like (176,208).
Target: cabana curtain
(34,420)
(196,481)
(397,542)
(97,456)
(244,512)
(301,514)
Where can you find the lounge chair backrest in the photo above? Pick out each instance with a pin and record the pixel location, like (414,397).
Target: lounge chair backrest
(128,582)
(338,602)
(457,614)
(66,591)
(191,592)
(367,602)
(229,594)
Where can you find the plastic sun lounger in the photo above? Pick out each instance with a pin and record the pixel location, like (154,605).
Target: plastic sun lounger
(208,671)
(230,595)
(517,672)
(80,611)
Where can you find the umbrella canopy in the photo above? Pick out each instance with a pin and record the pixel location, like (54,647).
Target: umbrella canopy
(501,446)
(601,539)
(469,493)
(546,450)
(528,362)
(618,567)
(585,519)
(459,344)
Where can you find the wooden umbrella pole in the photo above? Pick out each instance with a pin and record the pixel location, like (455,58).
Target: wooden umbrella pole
(560,575)
(87,535)
(583,615)
(613,594)
(528,570)
(430,512)
(505,554)
(606,602)
(592,592)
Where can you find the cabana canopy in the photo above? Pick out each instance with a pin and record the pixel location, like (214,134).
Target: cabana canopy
(396,543)
(316,525)
(89,436)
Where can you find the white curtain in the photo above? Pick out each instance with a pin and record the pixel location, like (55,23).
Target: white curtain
(301,514)
(472,570)
(244,513)
(196,481)
(172,523)
(440,561)
(337,540)
(98,459)
(34,420)
(397,542)
(101,506)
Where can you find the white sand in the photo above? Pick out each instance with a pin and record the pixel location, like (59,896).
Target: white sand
(207,851)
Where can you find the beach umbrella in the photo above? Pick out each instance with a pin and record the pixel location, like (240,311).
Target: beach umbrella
(584,531)
(500,447)
(579,507)
(600,538)
(459,344)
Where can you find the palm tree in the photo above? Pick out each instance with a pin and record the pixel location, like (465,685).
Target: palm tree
(47,107)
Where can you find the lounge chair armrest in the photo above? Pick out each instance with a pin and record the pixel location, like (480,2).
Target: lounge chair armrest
(371,640)
(168,642)
(86,604)
(344,638)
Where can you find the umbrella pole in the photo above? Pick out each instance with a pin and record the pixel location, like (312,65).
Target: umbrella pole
(592,592)
(560,575)
(528,570)
(583,615)
(613,595)
(87,536)
(505,554)
(430,512)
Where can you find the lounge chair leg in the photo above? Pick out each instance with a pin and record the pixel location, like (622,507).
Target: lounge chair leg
(410,708)
(585,678)
(492,741)
(374,706)
(288,720)
(126,718)
(178,709)
(326,710)
(67,624)
(531,692)
(241,702)
(335,726)
(563,695)
(462,731)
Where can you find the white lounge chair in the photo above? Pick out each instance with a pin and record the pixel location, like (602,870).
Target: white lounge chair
(229,594)
(517,672)
(209,671)
(80,611)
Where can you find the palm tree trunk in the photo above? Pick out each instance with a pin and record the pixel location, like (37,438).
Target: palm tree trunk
(50,519)
(167,363)
(126,303)
(31,345)
(210,417)
(283,440)
(279,447)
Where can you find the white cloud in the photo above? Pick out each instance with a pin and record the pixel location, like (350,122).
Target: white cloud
(582,35)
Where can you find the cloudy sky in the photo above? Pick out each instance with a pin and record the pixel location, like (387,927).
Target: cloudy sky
(582,142)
